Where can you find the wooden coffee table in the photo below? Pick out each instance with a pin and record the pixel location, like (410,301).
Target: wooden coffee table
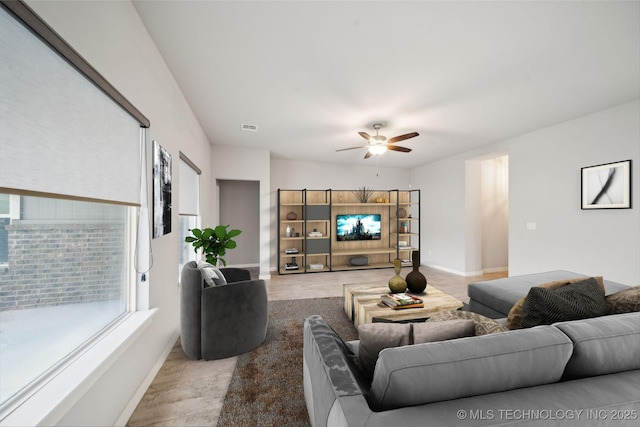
(362,303)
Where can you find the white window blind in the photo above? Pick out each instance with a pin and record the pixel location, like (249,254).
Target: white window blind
(59,133)
(189,187)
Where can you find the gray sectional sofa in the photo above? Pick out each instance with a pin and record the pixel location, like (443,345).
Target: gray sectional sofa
(582,372)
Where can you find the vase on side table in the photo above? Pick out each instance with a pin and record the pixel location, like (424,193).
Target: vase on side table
(416,282)
(397,284)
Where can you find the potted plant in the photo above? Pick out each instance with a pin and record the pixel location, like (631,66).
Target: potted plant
(213,241)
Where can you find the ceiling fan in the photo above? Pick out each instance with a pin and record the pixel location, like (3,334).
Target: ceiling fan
(378,144)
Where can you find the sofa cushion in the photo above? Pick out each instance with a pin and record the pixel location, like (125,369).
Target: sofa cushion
(514,318)
(445,370)
(625,301)
(579,300)
(482,324)
(374,337)
(603,345)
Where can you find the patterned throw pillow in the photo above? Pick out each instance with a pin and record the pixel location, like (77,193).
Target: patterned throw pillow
(625,301)
(580,300)
(514,318)
(483,324)
(212,275)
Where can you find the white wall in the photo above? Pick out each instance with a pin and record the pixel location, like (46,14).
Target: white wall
(112,38)
(544,180)
(293,175)
(544,187)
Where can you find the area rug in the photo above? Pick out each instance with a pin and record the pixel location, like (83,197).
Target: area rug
(266,388)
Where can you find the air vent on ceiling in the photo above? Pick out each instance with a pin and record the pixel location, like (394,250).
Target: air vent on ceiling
(250,128)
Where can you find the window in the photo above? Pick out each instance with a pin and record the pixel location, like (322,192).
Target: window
(189,205)
(70,178)
(65,280)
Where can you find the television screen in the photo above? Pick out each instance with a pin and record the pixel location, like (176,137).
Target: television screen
(358,227)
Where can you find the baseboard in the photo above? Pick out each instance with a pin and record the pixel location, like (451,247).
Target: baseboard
(445,269)
(495,270)
(469,273)
(128,410)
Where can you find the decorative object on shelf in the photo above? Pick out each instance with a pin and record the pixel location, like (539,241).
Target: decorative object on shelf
(379,200)
(401,213)
(416,282)
(404,227)
(292,216)
(397,284)
(363,194)
(316,266)
(213,241)
(607,186)
(288,231)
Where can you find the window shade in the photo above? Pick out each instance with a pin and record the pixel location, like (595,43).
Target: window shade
(59,133)
(189,189)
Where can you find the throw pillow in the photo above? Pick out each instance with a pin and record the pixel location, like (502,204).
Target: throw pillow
(482,324)
(514,318)
(442,331)
(377,336)
(578,300)
(625,301)
(212,275)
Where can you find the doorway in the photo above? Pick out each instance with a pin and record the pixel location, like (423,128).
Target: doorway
(487,214)
(239,203)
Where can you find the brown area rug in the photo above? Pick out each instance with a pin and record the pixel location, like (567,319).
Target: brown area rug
(266,388)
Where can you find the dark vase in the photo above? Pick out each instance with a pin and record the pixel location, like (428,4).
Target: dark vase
(416,282)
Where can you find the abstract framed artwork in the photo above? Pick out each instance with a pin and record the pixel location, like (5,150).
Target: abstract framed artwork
(161,191)
(607,186)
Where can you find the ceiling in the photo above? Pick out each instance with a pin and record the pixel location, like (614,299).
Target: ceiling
(463,74)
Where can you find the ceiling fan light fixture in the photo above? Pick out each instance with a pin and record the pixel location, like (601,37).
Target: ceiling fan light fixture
(377,149)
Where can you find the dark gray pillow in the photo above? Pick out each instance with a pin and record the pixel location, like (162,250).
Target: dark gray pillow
(580,300)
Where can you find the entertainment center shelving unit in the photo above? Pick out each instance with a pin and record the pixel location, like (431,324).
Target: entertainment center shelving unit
(315,211)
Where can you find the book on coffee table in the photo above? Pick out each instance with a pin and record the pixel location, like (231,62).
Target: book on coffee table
(401,300)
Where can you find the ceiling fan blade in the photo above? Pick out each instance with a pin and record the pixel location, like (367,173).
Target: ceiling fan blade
(398,148)
(366,156)
(402,137)
(365,136)
(352,148)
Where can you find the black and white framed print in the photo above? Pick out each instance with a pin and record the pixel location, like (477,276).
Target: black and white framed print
(161,191)
(607,186)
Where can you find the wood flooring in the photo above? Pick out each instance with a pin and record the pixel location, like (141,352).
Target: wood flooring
(191,392)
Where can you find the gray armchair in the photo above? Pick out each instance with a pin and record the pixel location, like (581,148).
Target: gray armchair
(221,321)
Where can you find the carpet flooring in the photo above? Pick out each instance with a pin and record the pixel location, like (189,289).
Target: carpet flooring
(266,387)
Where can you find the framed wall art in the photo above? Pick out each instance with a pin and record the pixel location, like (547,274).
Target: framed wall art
(161,191)
(607,186)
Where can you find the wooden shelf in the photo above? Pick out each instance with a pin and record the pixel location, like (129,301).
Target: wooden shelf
(317,210)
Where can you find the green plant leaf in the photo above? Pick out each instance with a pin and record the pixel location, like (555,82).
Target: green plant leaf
(233,233)
(196,232)
(230,244)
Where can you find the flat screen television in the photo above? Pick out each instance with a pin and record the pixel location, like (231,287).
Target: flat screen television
(358,227)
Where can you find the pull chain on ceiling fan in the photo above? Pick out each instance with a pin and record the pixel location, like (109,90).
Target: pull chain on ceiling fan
(378,144)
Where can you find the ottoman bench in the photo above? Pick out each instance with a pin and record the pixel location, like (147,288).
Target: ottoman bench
(494,298)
